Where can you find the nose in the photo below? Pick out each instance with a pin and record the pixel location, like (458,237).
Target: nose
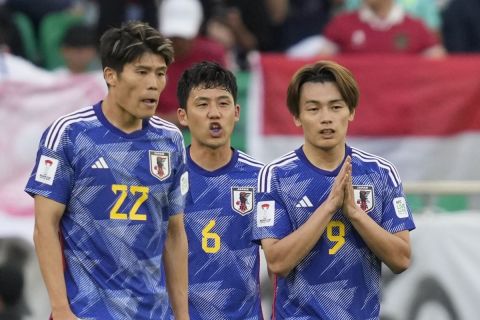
(153,82)
(325,116)
(213,111)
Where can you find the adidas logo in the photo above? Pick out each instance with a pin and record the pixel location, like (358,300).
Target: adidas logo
(100,164)
(304,203)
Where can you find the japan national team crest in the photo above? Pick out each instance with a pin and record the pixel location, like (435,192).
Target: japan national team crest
(364,197)
(160,164)
(242,200)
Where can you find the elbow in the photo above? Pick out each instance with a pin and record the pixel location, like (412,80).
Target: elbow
(279,269)
(401,265)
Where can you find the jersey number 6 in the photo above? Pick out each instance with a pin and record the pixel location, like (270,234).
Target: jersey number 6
(214,237)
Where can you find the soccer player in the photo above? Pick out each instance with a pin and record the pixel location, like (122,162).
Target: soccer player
(97,182)
(328,214)
(223,269)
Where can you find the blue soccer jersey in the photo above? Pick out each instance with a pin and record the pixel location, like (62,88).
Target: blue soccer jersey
(119,190)
(340,277)
(223,262)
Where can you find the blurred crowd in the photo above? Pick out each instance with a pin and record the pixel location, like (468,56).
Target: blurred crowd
(62,35)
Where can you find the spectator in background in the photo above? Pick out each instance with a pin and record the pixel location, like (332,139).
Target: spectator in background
(380,26)
(112,13)
(426,10)
(241,26)
(79,49)
(36,10)
(461,26)
(301,19)
(180,21)
(10,36)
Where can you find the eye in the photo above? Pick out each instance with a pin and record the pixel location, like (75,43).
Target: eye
(142,72)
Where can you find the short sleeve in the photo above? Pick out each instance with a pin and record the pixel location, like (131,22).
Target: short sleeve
(396,215)
(52,175)
(271,218)
(179,188)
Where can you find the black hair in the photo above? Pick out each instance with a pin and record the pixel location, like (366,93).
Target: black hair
(206,75)
(119,46)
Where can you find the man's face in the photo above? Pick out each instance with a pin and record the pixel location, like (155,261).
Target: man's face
(78,60)
(324,115)
(210,115)
(137,88)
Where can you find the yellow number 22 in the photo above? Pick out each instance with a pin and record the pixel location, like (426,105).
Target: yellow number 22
(132,214)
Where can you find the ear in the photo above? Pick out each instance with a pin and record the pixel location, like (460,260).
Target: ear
(297,122)
(110,76)
(237,113)
(352,115)
(182,117)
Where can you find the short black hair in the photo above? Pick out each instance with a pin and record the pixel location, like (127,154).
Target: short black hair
(207,75)
(119,46)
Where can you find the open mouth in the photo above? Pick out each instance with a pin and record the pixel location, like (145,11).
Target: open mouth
(215,129)
(150,102)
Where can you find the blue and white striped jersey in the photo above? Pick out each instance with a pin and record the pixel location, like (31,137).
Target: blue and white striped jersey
(223,261)
(119,190)
(340,277)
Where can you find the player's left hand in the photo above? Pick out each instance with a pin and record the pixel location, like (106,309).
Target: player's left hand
(350,208)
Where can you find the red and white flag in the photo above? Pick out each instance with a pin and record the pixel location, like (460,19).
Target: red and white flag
(423,115)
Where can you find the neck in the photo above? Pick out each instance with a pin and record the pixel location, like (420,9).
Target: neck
(382,9)
(120,118)
(210,159)
(325,159)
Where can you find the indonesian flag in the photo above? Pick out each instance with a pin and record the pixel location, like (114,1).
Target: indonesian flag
(421,114)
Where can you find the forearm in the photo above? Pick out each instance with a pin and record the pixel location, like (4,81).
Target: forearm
(49,253)
(285,254)
(176,269)
(392,249)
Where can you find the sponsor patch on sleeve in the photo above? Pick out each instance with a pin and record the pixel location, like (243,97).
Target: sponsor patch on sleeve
(400,206)
(46,170)
(184,183)
(265,213)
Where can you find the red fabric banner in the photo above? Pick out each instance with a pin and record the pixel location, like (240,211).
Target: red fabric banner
(399,95)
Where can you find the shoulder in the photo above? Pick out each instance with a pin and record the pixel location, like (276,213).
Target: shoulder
(249,162)
(165,127)
(277,167)
(78,119)
(376,164)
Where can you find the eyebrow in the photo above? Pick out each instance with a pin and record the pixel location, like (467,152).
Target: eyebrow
(328,102)
(215,98)
(142,66)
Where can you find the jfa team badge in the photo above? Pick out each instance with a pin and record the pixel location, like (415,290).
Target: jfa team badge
(243,200)
(160,164)
(364,198)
